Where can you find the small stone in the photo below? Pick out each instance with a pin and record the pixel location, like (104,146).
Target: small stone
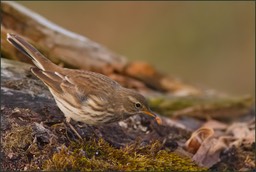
(123,124)
(12,156)
(171,145)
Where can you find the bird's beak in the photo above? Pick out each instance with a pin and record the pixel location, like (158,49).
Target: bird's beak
(157,118)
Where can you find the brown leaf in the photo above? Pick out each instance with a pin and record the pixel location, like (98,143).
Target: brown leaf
(197,138)
(242,131)
(205,156)
(205,146)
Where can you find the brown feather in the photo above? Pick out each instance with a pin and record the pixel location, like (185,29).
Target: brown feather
(38,59)
(49,78)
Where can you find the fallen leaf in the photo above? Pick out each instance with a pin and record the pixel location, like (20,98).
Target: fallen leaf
(207,155)
(205,146)
(238,130)
(197,138)
(242,131)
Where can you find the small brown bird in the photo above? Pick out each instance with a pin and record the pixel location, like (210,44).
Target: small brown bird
(84,96)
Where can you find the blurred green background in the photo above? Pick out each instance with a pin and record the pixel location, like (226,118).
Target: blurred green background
(210,44)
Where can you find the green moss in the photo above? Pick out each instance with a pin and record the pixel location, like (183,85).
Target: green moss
(201,105)
(100,156)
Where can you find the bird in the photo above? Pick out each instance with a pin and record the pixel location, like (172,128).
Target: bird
(84,96)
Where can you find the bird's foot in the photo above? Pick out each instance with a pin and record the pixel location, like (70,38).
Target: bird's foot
(68,120)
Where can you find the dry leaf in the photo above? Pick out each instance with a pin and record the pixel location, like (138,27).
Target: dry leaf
(205,156)
(205,146)
(197,138)
(242,132)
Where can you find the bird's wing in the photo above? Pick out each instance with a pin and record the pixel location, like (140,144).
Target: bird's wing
(61,86)
(78,85)
(90,83)
(49,78)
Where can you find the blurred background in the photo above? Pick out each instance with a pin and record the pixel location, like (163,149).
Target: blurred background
(209,44)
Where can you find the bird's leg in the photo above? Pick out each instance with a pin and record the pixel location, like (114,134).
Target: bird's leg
(68,119)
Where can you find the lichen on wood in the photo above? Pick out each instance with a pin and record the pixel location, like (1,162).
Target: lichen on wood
(217,107)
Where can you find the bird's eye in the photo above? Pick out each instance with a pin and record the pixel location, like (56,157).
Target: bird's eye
(137,105)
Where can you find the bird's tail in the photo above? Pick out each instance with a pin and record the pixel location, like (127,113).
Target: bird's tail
(38,59)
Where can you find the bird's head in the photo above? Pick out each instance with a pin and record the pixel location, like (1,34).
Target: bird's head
(134,103)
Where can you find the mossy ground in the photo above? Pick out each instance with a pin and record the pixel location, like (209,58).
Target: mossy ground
(33,146)
(27,153)
(98,155)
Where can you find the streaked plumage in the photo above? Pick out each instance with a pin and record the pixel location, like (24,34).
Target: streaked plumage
(84,96)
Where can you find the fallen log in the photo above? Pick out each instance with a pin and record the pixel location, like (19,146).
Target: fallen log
(75,51)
